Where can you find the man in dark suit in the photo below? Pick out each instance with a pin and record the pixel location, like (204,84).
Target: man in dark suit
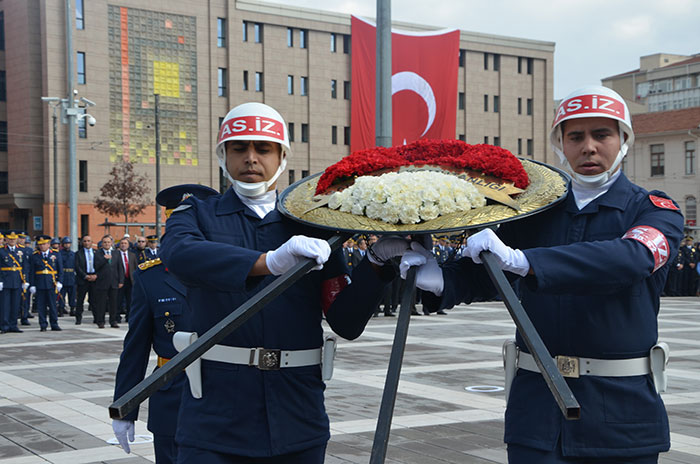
(128,263)
(86,275)
(110,276)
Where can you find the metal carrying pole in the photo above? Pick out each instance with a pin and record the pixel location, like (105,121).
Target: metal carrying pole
(131,399)
(157,130)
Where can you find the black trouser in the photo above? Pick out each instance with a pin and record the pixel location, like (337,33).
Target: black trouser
(87,289)
(124,297)
(105,303)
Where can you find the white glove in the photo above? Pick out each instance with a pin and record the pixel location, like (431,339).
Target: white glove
(509,259)
(386,248)
(124,431)
(1,286)
(32,289)
(25,286)
(294,250)
(59,286)
(429,275)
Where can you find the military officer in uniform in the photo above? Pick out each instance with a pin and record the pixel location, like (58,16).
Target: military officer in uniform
(15,265)
(24,244)
(592,270)
(158,310)
(68,259)
(45,274)
(151,251)
(225,249)
(689,274)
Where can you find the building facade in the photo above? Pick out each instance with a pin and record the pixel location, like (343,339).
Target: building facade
(202,57)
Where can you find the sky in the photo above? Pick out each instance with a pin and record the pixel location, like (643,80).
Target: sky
(593,39)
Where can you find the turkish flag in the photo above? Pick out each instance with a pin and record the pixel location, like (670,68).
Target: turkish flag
(423,84)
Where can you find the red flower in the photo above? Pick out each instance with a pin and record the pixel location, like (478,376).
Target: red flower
(487,159)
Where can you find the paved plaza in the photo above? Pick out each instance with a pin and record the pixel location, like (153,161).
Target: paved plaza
(55,388)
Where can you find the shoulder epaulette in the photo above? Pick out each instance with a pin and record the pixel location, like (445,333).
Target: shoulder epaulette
(149,264)
(35,252)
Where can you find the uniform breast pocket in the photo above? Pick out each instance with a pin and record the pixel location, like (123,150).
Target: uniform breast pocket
(167,313)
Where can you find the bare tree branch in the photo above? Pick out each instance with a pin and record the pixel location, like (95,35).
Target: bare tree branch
(125,194)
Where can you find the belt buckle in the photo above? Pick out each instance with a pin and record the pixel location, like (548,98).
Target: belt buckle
(269,360)
(568,366)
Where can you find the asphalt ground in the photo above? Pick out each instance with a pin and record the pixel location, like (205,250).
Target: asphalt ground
(55,388)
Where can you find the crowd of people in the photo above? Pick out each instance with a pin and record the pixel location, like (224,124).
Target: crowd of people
(45,277)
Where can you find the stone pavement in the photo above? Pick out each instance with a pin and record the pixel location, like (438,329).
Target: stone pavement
(55,388)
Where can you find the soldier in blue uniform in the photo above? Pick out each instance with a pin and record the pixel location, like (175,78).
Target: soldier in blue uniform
(151,250)
(68,260)
(225,249)
(592,270)
(14,265)
(45,274)
(24,244)
(158,310)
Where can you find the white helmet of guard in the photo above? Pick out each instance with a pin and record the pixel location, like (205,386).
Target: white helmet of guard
(253,121)
(593,102)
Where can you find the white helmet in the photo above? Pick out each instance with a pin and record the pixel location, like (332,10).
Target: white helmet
(253,121)
(593,102)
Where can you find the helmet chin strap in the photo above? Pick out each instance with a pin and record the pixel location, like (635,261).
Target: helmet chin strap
(255,189)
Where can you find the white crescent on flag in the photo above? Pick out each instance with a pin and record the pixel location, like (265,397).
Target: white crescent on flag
(407,80)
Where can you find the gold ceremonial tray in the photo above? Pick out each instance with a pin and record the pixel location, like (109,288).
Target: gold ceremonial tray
(548,186)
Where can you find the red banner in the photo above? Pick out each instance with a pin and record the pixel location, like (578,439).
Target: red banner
(424,85)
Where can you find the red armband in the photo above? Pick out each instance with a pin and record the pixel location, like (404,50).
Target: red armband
(330,289)
(654,240)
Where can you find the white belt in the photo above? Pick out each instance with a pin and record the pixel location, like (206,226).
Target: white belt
(262,358)
(573,366)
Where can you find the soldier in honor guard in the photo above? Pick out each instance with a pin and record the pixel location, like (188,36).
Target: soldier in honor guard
(689,274)
(14,267)
(151,251)
(158,309)
(45,274)
(68,259)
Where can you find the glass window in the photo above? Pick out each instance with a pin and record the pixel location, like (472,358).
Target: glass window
(3,182)
(346,90)
(245,31)
(304,85)
(520,65)
(657,159)
(245,80)
(496,62)
(304,132)
(334,135)
(84,224)
(486,139)
(334,40)
(223,181)
(2,30)
(259,84)
(3,135)
(292,176)
(486,102)
(497,141)
(691,210)
(530,65)
(346,44)
(462,137)
(303,37)
(520,146)
(689,158)
(222,82)
(290,37)
(82,176)
(462,56)
(79,15)
(258,32)
(290,85)
(530,148)
(304,173)
(82,126)
(346,135)
(290,129)
(81,68)
(334,88)
(3,86)
(529,106)
(486,61)
(496,104)
(520,105)
(460,100)
(221,32)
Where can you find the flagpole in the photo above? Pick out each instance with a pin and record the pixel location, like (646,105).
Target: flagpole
(383,91)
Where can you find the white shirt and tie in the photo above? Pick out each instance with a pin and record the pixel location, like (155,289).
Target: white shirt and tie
(89,260)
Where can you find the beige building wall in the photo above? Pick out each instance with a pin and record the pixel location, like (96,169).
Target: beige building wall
(36,65)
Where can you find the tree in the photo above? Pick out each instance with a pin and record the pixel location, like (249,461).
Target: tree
(125,194)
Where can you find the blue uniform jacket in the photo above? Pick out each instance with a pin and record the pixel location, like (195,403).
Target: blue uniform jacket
(68,259)
(37,264)
(593,294)
(211,245)
(158,310)
(13,278)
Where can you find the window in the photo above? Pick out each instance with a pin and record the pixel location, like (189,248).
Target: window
(292,176)
(245,80)
(486,139)
(529,106)
(496,62)
(290,85)
(520,65)
(496,103)
(304,132)
(334,88)
(221,32)
(334,135)
(462,137)
(84,224)
(460,100)
(304,85)
(520,105)
(290,129)
(290,37)
(79,15)
(346,135)
(304,173)
(303,37)
(4,188)
(530,63)
(486,61)
(520,146)
(3,135)
(82,126)
(657,159)
(2,30)
(258,32)
(689,158)
(691,210)
(530,148)
(462,56)
(223,181)
(259,82)
(245,31)
(221,76)
(81,68)
(486,102)
(82,176)
(346,90)
(346,44)
(497,141)
(334,43)
(221,121)
(3,86)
